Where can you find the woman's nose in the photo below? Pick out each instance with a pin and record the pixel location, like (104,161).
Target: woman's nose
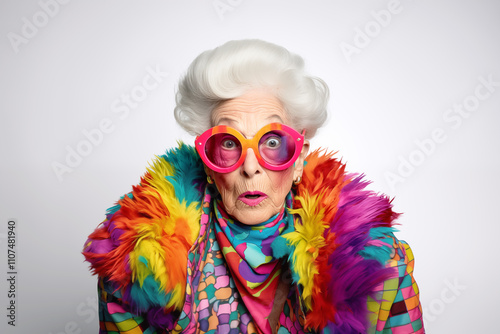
(251,165)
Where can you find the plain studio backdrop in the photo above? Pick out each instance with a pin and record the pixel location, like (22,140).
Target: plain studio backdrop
(87,97)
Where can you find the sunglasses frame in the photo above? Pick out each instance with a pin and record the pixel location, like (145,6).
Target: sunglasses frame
(253,143)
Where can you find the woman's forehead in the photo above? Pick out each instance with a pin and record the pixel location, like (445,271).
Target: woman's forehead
(250,112)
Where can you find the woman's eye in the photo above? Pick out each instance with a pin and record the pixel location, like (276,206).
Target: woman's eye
(273,142)
(228,144)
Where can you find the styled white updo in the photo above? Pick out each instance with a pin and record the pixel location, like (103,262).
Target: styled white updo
(236,67)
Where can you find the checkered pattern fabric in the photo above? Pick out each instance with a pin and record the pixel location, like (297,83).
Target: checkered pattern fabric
(114,318)
(397,309)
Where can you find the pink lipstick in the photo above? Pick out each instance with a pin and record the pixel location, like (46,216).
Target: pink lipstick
(252,198)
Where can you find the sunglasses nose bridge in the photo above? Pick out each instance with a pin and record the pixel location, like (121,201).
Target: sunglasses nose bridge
(250,164)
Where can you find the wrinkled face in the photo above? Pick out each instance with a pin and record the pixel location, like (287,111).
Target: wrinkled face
(252,194)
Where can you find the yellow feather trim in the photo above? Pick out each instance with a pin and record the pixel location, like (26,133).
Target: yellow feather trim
(149,250)
(156,178)
(307,239)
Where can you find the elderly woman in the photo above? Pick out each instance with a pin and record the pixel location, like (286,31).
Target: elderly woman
(245,233)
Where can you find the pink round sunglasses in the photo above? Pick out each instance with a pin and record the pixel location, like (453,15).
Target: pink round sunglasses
(223,149)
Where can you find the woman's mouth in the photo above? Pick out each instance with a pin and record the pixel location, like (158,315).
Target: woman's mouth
(252,198)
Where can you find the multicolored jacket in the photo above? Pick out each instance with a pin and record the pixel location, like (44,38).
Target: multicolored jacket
(353,275)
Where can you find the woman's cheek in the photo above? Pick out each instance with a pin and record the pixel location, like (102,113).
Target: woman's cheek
(282,183)
(226,186)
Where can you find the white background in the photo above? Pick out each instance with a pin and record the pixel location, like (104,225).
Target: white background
(63,76)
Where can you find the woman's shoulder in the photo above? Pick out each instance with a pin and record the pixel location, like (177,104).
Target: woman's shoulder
(342,246)
(141,247)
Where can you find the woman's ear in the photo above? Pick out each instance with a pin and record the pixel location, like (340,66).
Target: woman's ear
(209,172)
(299,164)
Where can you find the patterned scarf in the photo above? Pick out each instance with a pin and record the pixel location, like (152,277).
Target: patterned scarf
(247,250)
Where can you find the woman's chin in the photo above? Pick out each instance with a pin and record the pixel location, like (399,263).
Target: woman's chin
(253,215)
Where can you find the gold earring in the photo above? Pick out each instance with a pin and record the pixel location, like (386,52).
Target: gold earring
(209,179)
(297,180)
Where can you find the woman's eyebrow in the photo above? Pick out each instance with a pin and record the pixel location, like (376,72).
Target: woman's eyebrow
(275,117)
(233,121)
(229,120)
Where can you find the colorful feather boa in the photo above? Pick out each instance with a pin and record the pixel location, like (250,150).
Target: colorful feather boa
(336,253)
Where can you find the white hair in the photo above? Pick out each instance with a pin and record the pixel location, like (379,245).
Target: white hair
(236,67)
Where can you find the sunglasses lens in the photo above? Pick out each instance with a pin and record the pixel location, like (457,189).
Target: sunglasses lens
(277,147)
(223,150)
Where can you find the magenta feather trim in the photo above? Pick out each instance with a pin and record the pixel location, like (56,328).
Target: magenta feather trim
(354,277)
